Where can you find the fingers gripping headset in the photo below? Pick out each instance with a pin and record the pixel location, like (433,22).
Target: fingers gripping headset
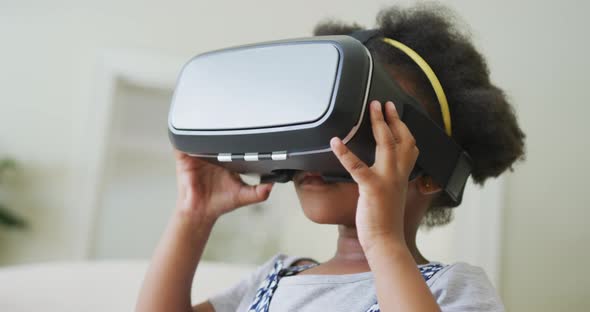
(271,109)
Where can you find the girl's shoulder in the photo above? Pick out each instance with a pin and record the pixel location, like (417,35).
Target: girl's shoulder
(463,285)
(457,271)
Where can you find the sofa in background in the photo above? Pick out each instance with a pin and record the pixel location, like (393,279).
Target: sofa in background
(96,286)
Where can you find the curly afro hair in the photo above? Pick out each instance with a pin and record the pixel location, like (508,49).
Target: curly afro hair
(483,120)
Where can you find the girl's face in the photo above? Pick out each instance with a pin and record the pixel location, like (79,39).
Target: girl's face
(335,203)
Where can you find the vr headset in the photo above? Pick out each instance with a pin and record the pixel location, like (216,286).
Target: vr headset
(271,109)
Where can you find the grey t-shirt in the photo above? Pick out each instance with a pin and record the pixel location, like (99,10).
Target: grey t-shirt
(457,287)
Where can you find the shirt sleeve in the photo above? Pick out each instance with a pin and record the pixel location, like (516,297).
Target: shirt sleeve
(229,299)
(464,288)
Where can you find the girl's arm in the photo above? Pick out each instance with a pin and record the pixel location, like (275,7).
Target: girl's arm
(380,212)
(167,285)
(399,284)
(205,192)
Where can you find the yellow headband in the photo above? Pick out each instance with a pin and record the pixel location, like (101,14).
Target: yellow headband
(438,89)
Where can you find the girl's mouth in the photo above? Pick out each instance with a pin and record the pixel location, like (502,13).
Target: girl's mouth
(310,178)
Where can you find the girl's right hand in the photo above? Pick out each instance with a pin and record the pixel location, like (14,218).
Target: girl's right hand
(207,191)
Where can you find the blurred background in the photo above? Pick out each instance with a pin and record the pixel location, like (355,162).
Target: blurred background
(86,166)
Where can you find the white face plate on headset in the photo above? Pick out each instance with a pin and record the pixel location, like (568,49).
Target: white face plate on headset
(203,100)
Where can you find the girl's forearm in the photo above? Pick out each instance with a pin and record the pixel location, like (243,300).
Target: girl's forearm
(167,285)
(399,284)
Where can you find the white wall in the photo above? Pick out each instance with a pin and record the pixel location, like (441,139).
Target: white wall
(537,50)
(546,238)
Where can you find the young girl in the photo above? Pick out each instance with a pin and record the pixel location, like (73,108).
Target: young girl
(377,265)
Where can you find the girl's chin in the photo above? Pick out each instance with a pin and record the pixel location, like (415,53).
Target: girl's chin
(328,209)
(325,217)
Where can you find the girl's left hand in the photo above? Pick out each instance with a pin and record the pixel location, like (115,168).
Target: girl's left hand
(383,186)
